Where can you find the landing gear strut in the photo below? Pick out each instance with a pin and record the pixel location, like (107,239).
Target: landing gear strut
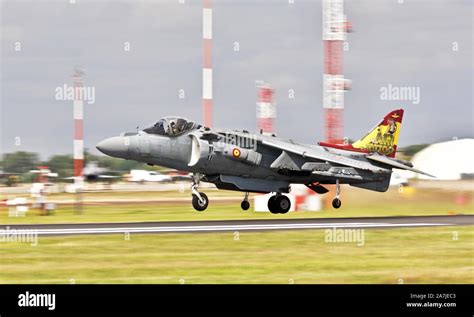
(336,203)
(245,205)
(279,204)
(200,200)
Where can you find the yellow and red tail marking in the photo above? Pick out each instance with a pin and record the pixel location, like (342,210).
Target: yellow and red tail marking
(382,139)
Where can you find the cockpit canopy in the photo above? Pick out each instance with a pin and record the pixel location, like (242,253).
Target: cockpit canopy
(171,126)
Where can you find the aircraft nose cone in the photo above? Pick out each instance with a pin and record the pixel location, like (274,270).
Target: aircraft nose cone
(115,146)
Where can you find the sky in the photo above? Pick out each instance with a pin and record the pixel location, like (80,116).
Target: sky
(420,44)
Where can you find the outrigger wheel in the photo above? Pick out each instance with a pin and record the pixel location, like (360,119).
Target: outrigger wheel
(336,202)
(245,205)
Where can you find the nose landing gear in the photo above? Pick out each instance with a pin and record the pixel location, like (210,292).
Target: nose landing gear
(200,200)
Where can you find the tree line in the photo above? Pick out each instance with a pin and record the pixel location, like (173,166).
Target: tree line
(23,162)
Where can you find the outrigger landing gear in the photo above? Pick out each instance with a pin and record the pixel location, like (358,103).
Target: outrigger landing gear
(279,204)
(200,200)
(245,205)
(336,203)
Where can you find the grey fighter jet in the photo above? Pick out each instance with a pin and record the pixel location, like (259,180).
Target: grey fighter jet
(247,162)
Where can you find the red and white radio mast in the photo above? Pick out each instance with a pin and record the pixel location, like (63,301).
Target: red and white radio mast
(335,28)
(207,63)
(266,109)
(78,111)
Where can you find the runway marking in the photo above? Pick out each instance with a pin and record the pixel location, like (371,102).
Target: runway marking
(206,228)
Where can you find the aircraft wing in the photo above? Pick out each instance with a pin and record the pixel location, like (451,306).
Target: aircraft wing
(319,154)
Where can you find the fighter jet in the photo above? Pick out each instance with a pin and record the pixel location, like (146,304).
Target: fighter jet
(247,162)
(93,172)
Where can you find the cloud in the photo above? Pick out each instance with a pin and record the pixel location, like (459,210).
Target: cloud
(402,44)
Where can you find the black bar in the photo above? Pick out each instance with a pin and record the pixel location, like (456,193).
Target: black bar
(81,299)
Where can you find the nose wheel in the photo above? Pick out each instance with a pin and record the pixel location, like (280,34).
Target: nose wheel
(279,204)
(200,200)
(200,203)
(245,205)
(336,202)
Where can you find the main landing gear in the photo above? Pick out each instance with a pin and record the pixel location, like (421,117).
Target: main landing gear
(279,204)
(336,202)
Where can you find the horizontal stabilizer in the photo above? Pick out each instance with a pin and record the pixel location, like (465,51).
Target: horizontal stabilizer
(391,162)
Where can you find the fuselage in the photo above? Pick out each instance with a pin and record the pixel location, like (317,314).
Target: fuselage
(189,152)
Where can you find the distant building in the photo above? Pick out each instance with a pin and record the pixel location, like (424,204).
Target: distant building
(452,160)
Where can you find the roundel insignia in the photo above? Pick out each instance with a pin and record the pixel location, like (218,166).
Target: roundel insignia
(236,152)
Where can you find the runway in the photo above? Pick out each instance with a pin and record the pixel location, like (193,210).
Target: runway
(240,225)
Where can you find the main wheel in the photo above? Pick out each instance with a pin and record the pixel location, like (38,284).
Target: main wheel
(198,205)
(336,203)
(272,206)
(245,205)
(283,204)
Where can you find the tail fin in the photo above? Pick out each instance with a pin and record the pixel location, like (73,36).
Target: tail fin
(383,138)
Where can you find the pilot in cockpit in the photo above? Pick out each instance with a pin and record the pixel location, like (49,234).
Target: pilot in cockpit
(171,126)
(174,128)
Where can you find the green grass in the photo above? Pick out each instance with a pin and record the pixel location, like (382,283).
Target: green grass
(415,255)
(356,203)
